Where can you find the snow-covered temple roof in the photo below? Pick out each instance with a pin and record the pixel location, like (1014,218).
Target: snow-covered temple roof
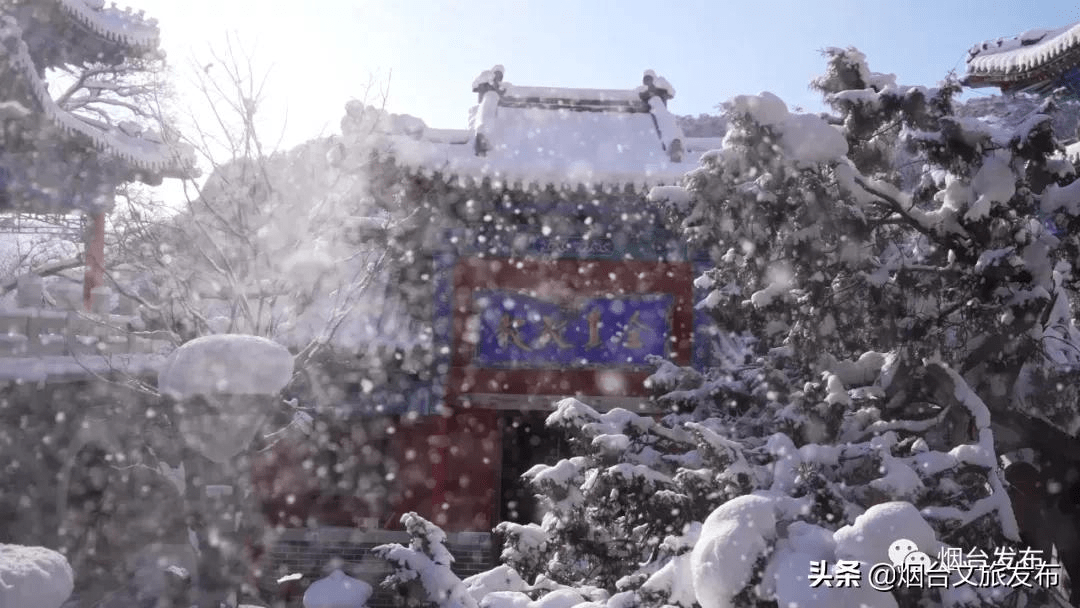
(65,31)
(40,34)
(1035,60)
(532,137)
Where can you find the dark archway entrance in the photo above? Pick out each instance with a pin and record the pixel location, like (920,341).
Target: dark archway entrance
(526,443)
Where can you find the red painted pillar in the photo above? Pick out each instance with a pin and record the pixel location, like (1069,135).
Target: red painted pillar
(95,258)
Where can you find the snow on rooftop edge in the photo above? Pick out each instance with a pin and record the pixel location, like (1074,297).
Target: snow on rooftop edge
(554,146)
(527,136)
(1023,52)
(573,94)
(112,23)
(143,152)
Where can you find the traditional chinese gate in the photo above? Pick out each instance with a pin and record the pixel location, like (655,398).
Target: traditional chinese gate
(554,275)
(526,331)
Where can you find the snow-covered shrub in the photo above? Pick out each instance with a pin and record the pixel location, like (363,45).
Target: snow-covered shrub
(724,511)
(422,570)
(652,503)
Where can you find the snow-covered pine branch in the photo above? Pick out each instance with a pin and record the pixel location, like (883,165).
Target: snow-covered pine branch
(422,570)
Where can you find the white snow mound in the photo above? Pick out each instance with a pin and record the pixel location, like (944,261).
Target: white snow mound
(338,590)
(809,139)
(33,576)
(806,138)
(506,599)
(226,364)
(501,578)
(868,538)
(560,598)
(733,537)
(766,109)
(789,568)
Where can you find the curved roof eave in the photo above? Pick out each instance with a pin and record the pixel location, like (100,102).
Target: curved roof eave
(458,162)
(144,155)
(1021,54)
(526,181)
(113,24)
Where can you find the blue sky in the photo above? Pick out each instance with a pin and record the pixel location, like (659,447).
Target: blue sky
(323,51)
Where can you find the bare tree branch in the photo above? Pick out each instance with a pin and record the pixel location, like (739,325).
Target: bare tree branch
(45,270)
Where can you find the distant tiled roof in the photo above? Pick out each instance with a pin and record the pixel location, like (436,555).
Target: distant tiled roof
(528,137)
(1033,60)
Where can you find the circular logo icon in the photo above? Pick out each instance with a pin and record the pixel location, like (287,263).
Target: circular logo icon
(917,560)
(900,549)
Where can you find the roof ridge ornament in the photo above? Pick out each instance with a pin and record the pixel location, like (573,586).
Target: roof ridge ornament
(655,86)
(655,91)
(489,88)
(490,80)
